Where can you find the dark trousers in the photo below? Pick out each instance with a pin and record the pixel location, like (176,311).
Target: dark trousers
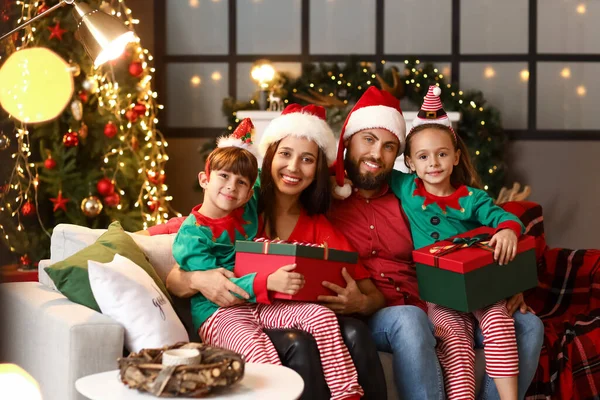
(298,351)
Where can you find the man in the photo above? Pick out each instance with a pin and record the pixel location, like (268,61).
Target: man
(372,220)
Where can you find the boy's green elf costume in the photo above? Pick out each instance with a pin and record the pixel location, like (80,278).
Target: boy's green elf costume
(204,243)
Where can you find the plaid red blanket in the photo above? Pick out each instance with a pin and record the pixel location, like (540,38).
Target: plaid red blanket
(567,300)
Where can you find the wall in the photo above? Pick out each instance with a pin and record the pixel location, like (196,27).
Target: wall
(562,174)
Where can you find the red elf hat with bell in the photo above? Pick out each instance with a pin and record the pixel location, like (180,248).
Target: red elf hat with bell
(242,136)
(375,109)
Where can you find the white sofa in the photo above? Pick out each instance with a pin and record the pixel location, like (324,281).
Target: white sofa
(58,341)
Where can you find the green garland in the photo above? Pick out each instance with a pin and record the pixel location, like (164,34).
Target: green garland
(340,86)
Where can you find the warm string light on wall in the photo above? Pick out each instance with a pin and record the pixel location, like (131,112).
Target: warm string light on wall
(152,199)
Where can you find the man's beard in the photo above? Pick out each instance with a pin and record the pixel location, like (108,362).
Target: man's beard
(366,181)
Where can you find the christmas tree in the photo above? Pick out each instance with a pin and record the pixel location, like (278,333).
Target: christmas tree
(101,159)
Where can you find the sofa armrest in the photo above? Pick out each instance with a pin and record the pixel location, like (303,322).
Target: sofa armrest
(55,340)
(531,215)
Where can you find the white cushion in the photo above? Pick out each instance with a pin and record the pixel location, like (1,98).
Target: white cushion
(126,293)
(68,239)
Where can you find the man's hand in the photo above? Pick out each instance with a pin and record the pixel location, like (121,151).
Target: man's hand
(505,246)
(349,300)
(517,302)
(285,281)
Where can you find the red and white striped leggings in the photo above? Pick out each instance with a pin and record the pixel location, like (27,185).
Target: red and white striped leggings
(455,332)
(240,329)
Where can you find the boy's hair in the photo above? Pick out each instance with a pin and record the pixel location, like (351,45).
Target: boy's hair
(464,173)
(233,159)
(315,199)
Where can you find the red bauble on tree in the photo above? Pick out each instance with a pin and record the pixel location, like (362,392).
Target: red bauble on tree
(50,163)
(131,115)
(28,209)
(112,200)
(136,69)
(42,9)
(140,108)
(71,139)
(155,178)
(152,205)
(110,130)
(105,187)
(83,96)
(25,261)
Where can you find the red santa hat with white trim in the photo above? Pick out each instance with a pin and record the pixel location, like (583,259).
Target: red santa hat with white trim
(242,137)
(375,109)
(308,122)
(432,110)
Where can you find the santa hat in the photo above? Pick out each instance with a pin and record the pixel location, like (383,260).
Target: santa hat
(307,122)
(375,109)
(241,137)
(432,111)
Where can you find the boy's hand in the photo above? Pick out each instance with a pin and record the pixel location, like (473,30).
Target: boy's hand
(505,246)
(285,281)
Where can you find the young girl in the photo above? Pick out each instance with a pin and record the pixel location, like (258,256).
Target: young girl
(206,241)
(443,200)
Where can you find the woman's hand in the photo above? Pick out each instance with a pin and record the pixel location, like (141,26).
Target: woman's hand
(285,281)
(505,246)
(215,285)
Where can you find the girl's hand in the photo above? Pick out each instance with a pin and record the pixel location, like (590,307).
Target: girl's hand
(284,281)
(505,246)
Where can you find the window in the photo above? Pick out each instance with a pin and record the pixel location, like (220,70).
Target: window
(536,61)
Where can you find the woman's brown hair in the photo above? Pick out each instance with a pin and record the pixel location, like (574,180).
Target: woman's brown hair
(315,199)
(464,173)
(234,160)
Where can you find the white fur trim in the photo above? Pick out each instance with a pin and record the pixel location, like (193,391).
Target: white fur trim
(303,126)
(343,191)
(229,141)
(373,117)
(437,91)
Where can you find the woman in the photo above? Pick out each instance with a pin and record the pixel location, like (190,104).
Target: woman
(298,148)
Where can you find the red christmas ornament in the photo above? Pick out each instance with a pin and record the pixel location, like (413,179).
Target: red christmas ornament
(140,108)
(131,115)
(59,202)
(136,69)
(50,163)
(105,187)
(110,130)
(25,260)
(152,205)
(71,139)
(56,31)
(5,16)
(156,179)
(83,96)
(28,209)
(112,200)
(42,9)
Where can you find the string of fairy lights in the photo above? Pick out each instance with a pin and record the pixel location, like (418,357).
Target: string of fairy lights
(148,149)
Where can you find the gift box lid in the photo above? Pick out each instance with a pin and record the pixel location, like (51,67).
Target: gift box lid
(298,250)
(465,259)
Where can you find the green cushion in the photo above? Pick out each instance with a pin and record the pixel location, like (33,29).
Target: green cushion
(71,275)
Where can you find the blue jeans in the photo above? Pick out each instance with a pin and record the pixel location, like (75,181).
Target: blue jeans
(407,332)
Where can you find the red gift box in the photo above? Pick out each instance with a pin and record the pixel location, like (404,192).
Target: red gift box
(461,273)
(466,259)
(315,263)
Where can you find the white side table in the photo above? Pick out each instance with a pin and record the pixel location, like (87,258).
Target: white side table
(260,381)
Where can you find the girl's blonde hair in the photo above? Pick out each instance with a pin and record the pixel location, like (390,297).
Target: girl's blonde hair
(464,173)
